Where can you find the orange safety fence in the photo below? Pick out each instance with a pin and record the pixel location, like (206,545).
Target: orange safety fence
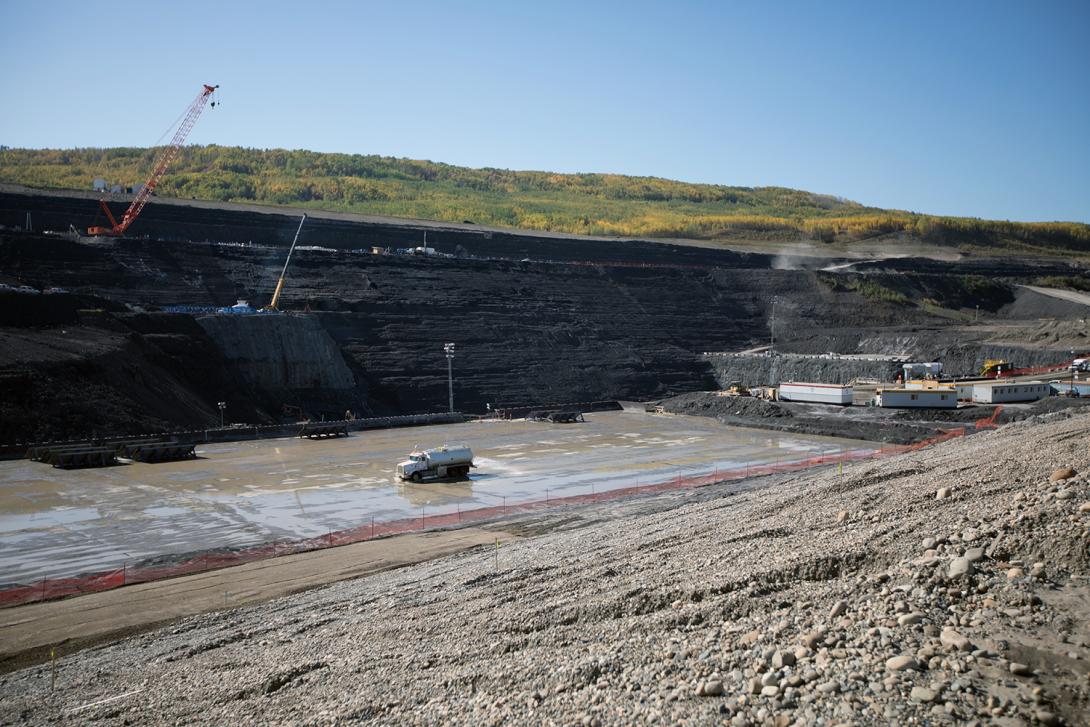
(990,422)
(52,588)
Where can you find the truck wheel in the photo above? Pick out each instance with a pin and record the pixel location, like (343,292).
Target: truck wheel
(416,476)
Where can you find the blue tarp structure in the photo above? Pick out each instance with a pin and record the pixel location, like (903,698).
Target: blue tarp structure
(1067,387)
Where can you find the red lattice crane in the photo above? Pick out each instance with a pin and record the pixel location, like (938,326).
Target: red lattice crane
(166,156)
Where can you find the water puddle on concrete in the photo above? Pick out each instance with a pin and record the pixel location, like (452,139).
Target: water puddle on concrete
(56,522)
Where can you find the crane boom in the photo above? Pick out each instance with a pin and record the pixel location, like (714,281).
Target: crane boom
(284,272)
(166,156)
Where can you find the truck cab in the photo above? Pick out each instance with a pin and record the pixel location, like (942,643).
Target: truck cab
(412,466)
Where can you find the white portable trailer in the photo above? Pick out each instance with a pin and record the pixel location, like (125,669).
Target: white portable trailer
(1003,392)
(945,398)
(817,393)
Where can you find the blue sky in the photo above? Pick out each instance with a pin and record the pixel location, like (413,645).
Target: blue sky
(967,108)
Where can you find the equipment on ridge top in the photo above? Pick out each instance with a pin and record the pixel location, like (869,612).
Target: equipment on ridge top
(166,156)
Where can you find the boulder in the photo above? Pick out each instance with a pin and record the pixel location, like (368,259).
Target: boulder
(1063,473)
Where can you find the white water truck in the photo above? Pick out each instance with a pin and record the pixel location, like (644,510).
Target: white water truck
(443,461)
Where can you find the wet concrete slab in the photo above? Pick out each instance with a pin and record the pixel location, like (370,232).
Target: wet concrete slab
(63,522)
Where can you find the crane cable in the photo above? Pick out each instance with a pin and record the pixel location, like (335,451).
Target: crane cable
(173,126)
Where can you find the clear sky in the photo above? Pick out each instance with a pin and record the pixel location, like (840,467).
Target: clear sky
(978,108)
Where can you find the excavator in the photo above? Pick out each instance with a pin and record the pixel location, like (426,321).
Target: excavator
(272,306)
(166,156)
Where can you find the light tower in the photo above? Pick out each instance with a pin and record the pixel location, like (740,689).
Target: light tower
(448,349)
(772,328)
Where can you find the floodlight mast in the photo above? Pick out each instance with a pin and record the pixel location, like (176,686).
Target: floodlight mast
(448,349)
(166,156)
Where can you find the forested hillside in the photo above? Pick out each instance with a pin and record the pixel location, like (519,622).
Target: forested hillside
(600,204)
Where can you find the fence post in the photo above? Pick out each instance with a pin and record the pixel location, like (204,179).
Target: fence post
(372,527)
(546,495)
(421,517)
(459,506)
(505,504)
(124,573)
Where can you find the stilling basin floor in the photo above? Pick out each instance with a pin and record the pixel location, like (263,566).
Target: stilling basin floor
(55,522)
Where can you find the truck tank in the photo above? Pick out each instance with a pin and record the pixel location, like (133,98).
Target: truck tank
(448,455)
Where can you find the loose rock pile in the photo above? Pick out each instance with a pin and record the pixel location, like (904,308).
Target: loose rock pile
(944,586)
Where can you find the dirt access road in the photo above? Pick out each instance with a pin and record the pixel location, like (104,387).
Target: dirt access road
(1072,296)
(27,633)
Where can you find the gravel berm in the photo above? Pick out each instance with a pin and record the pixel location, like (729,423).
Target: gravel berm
(947,585)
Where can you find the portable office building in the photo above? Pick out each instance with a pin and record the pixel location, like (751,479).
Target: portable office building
(1002,392)
(945,398)
(817,393)
(964,390)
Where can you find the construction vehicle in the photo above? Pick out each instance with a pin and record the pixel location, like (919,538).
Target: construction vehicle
(995,367)
(443,461)
(735,388)
(272,306)
(166,156)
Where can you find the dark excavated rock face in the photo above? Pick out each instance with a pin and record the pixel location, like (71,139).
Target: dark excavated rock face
(583,320)
(280,352)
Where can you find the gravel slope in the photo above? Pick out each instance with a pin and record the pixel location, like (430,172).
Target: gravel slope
(948,585)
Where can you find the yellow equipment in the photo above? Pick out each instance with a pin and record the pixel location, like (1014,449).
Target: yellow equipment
(735,389)
(283,273)
(995,366)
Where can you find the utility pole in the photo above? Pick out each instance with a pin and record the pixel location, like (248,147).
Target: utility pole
(772,346)
(448,349)
(772,329)
(222,405)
